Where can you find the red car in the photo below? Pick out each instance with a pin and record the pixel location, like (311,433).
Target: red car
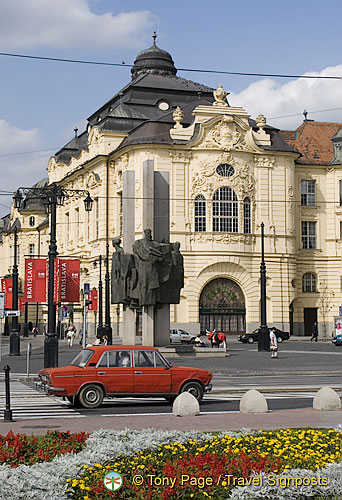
(118,371)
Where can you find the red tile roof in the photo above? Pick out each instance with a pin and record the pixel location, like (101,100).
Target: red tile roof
(313,140)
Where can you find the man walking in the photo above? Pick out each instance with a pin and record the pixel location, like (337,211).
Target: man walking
(274,343)
(314,332)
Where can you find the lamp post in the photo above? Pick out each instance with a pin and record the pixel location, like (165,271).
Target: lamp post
(107,330)
(14,336)
(51,196)
(100,331)
(263,337)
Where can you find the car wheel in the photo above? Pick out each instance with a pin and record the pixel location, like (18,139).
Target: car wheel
(279,339)
(250,340)
(194,388)
(91,396)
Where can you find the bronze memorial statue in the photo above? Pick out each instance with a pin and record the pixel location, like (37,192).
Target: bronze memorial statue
(153,275)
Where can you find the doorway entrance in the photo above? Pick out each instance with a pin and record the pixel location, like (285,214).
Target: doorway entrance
(222,307)
(310,316)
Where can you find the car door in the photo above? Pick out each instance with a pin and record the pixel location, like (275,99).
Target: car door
(115,371)
(151,374)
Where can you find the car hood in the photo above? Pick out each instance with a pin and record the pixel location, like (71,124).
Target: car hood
(60,369)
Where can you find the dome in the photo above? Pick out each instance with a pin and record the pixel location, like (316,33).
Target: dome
(153,60)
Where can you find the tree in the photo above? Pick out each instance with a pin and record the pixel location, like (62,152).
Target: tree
(325,304)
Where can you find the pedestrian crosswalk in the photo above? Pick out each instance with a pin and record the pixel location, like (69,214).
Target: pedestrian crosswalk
(27,403)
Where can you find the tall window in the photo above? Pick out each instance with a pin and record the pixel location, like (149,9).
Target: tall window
(31,249)
(96,215)
(32,221)
(200,213)
(308,193)
(120,214)
(309,282)
(308,234)
(77,225)
(340,184)
(67,227)
(247,215)
(225,211)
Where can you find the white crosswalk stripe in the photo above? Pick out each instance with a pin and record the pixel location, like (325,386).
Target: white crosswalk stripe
(282,395)
(27,403)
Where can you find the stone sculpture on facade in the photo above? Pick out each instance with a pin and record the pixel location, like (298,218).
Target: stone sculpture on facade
(153,275)
(220,96)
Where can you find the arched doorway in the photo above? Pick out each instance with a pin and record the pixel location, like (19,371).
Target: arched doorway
(222,306)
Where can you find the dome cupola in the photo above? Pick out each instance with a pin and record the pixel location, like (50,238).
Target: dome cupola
(153,60)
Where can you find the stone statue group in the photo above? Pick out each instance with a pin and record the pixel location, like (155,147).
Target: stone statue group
(152,275)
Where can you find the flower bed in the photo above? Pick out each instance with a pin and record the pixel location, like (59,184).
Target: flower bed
(213,467)
(16,449)
(109,448)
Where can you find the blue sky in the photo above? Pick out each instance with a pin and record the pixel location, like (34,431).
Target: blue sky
(41,102)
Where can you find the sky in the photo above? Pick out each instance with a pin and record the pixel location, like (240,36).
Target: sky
(41,102)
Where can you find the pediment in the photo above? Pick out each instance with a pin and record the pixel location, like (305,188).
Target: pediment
(227,133)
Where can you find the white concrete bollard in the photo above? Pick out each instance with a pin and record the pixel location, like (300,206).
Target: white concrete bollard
(185,405)
(253,402)
(326,399)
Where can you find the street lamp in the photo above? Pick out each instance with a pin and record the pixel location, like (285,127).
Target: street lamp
(263,337)
(107,330)
(100,331)
(14,336)
(51,196)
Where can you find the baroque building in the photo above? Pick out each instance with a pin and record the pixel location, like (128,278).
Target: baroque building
(228,174)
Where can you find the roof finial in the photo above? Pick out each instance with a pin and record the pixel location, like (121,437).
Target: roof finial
(305,113)
(75,130)
(154,36)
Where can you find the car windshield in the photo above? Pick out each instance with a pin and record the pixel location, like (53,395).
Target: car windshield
(82,358)
(165,360)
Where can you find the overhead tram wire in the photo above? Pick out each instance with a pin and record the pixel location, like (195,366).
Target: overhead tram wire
(219,72)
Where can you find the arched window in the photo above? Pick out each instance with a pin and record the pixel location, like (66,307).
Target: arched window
(32,221)
(309,282)
(247,219)
(200,213)
(225,170)
(225,211)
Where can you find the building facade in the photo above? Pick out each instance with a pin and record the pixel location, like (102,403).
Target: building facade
(228,174)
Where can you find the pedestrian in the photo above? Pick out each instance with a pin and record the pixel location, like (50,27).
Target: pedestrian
(274,343)
(105,340)
(44,330)
(198,341)
(70,336)
(35,331)
(314,332)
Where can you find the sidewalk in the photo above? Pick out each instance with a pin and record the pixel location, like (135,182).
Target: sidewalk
(306,417)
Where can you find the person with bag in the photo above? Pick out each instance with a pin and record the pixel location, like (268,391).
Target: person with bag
(314,332)
(273,343)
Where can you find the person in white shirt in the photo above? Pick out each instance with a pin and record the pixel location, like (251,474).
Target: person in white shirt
(274,343)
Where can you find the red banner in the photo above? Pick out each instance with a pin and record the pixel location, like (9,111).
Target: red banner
(7,287)
(35,280)
(21,304)
(94,300)
(69,280)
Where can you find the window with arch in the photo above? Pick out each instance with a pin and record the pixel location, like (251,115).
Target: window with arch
(225,170)
(32,221)
(225,211)
(309,282)
(247,215)
(200,213)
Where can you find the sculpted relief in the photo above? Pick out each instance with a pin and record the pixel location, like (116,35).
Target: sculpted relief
(206,180)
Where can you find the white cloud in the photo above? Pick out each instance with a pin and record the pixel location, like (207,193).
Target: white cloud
(19,169)
(274,99)
(29,24)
